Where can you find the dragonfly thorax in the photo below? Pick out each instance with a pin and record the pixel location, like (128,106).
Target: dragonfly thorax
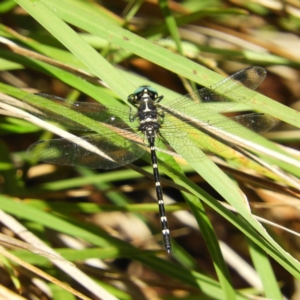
(145,98)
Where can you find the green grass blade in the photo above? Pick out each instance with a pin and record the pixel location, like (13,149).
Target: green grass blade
(264,269)
(171,24)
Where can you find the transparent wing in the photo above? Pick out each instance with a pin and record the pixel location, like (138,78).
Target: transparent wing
(65,112)
(217,136)
(94,151)
(206,102)
(117,146)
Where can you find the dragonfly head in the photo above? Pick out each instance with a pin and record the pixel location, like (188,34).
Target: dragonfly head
(143,93)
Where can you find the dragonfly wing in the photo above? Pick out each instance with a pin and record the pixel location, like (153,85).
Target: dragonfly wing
(218,98)
(215,137)
(94,151)
(254,123)
(65,112)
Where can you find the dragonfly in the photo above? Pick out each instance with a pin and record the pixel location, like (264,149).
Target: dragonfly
(124,135)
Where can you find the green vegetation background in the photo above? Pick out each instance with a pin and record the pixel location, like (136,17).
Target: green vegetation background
(76,49)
